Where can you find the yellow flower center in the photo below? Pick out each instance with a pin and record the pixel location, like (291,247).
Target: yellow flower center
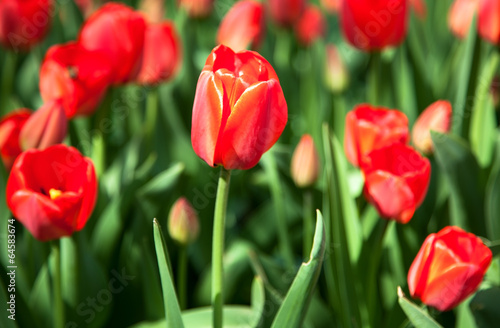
(54,193)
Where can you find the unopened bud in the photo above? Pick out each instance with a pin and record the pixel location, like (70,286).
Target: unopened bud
(337,76)
(305,162)
(436,117)
(183,224)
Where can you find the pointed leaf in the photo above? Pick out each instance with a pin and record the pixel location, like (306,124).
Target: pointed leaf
(418,318)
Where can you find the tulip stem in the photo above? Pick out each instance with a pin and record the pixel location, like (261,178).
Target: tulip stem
(151,113)
(374,79)
(7,82)
(218,246)
(308,223)
(181,277)
(58,320)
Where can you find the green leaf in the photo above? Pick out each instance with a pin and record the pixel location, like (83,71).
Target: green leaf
(484,307)
(234,316)
(492,197)
(294,306)
(163,181)
(40,300)
(4,216)
(172,308)
(4,298)
(418,318)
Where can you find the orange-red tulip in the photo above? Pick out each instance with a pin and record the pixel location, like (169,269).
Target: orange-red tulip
(374,25)
(243,27)
(311,26)
(396,181)
(368,128)
(436,117)
(489,20)
(286,12)
(197,8)
(76,76)
(239,110)
(118,32)
(162,54)
(24,23)
(10,128)
(460,16)
(305,162)
(52,192)
(448,268)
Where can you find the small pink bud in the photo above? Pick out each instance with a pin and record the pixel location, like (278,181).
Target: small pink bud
(46,127)
(183,224)
(305,162)
(336,74)
(436,117)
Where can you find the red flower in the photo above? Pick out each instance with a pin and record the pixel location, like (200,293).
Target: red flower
(286,12)
(197,8)
(373,25)
(243,26)
(239,109)
(396,181)
(118,32)
(52,192)
(10,128)
(305,162)
(24,23)
(448,268)
(76,76)
(162,54)
(310,26)
(460,16)
(489,20)
(368,128)
(436,117)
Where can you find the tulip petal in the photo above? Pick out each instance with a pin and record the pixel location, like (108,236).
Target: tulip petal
(88,202)
(419,269)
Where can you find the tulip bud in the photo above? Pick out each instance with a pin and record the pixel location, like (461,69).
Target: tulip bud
(489,20)
(305,162)
(10,127)
(183,224)
(419,7)
(460,16)
(336,74)
(331,6)
(197,8)
(436,117)
(448,268)
(46,127)
(310,26)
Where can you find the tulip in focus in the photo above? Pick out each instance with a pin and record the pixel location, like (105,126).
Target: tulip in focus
(10,128)
(24,23)
(286,12)
(311,26)
(46,127)
(305,162)
(448,268)
(336,74)
(374,25)
(118,32)
(183,225)
(243,27)
(368,128)
(436,117)
(162,54)
(489,20)
(396,181)
(197,8)
(460,16)
(52,192)
(76,76)
(239,109)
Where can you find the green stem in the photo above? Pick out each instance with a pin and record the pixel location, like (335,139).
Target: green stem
(58,306)
(308,223)
(218,246)
(7,81)
(374,79)
(151,113)
(339,113)
(181,277)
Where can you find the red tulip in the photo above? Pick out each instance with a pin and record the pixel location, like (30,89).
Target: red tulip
(305,162)
(286,12)
(243,26)
(239,109)
(489,20)
(396,181)
(310,26)
(76,76)
(368,128)
(460,16)
(436,117)
(197,8)
(374,24)
(118,32)
(162,54)
(52,192)
(448,268)
(10,128)
(24,23)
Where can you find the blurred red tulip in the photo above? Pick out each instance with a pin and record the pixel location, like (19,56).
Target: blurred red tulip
(460,16)
(336,74)
(396,181)
(46,127)
(197,8)
(331,6)
(118,32)
(52,192)
(305,162)
(310,26)
(419,7)
(286,12)
(239,110)
(448,268)
(489,20)
(368,128)
(76,76)
(10,128)
(24,23)
(162,54)
(183,225)
(436,117)
(374,25)
(243,26)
